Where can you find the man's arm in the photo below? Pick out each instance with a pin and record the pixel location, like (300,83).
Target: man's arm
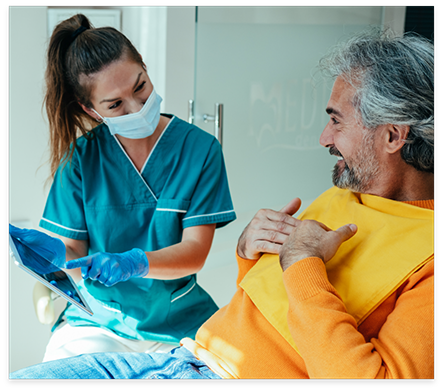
(328,337)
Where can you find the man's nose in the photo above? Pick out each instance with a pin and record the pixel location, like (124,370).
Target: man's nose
(326,138)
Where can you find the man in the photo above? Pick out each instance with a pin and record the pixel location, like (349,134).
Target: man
(351,293)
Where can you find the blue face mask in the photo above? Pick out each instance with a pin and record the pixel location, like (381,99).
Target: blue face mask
(136,125)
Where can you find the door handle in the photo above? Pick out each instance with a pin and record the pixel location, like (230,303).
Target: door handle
(217,118)
(191,111)
(218,122)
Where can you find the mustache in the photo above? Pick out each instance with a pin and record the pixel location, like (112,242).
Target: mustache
(334,151)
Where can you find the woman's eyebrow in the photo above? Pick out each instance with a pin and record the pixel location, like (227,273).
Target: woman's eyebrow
(135,85)
(136,82)
(108,100)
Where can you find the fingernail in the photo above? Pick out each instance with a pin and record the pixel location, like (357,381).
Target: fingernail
(353,227)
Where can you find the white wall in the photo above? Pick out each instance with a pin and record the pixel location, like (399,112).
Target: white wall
(148,29)
(180,57)
(27,153)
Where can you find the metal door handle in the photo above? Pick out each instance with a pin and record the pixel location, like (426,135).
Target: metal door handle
(191,111)
(218,122)
(217,118)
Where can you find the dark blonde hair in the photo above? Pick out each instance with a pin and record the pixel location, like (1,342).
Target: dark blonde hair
(76,52)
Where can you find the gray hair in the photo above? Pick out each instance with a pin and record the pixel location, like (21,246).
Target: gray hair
(394,81)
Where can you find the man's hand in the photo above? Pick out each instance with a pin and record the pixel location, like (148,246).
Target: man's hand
(267,231)
(313,239)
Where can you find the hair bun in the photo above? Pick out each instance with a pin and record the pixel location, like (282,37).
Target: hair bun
(77,32)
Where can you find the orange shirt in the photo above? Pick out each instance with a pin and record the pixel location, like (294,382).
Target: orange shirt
(395,341)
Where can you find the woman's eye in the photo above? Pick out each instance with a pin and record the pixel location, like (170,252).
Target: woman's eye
(140,87)
(115,105)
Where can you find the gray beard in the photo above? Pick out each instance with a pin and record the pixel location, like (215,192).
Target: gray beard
(360,176)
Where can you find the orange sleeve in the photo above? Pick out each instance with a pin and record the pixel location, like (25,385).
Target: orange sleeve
(331,344)
(244,265)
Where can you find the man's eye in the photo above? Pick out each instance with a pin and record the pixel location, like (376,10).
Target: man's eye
(334,121)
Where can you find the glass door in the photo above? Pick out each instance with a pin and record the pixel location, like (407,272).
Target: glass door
(259,63)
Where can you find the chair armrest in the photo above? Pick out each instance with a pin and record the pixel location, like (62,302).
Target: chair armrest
(43,303)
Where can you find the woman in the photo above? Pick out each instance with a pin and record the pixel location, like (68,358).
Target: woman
(137,198)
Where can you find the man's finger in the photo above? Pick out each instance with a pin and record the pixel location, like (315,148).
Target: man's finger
(80,262)
(268,247)
(279,217)
(347,232)
(292,207)
(275,236)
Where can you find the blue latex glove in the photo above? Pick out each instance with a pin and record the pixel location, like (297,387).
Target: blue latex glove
(112,268)
(37,249)
(67,292)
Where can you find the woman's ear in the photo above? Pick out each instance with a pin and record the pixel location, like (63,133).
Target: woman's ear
(396,136)
(90,112)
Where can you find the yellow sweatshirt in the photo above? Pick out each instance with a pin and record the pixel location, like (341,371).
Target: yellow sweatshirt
(396,340)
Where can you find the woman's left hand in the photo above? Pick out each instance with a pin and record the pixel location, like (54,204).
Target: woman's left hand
(38,250)
(112,268)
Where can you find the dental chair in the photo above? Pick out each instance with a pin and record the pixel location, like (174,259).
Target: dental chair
(44,299)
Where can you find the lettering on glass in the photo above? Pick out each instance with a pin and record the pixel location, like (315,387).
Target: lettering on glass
(287,115)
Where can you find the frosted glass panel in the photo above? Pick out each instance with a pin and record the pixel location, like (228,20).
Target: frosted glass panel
(259,63)
(274,110)
(291,15)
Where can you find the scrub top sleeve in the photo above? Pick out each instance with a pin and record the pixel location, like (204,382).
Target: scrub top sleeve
(64,213)
(211,201)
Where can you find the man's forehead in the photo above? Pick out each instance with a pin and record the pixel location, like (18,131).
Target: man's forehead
(342,97)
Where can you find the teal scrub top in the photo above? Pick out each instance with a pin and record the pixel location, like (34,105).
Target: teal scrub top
(101,197)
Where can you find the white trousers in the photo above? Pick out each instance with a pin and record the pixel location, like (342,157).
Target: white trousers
(68,341)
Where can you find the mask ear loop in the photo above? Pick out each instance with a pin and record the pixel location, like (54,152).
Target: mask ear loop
(102,119)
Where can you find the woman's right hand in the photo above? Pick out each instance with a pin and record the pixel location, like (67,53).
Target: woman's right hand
(110,268)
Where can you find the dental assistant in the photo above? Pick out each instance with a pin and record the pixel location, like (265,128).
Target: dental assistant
(136,197)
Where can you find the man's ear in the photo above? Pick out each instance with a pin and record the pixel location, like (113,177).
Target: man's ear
(90,112)
(396,136)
